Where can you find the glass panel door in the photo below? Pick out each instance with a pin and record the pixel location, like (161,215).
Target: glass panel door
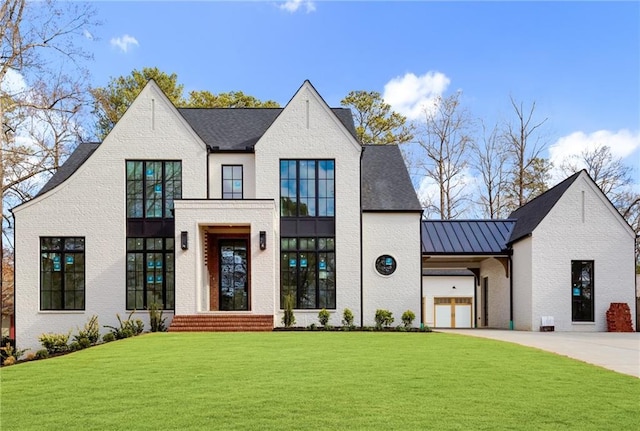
(234,292)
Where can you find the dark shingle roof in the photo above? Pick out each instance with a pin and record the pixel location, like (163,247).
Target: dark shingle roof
(386,185)
(75,160)
(471,237)
(235,129)
(531,214)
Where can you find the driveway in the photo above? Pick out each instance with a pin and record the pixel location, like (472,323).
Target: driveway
(617,351)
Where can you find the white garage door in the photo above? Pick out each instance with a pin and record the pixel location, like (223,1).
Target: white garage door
(453,312)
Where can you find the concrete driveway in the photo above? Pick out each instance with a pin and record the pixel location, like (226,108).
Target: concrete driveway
(617,351)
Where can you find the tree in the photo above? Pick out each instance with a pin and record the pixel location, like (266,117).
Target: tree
(42,92)
(446,141)
(489,160)
(529,170)
(111,102)
(233,99)
(376,123)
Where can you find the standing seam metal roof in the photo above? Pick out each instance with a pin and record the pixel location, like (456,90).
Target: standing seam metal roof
(469,237)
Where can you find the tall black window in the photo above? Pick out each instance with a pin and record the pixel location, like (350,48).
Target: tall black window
(307,188)
(582,291)
(151,188)
(232,185)
(308,272)
(150,273)
(62,275)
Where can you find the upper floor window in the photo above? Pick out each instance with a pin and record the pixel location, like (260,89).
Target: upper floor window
(62,278)
(582,305)
(151,188)
(232,186)
(307,188)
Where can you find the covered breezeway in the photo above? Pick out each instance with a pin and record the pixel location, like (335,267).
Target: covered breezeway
(466,274)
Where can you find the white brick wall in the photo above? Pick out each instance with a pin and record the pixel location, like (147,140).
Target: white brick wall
(498,293)
(398,235)
(216,160)
(569,233)
(91,203)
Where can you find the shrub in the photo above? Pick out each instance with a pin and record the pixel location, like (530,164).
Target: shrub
(323,317)
(312,327)
(288,319)
(408,318)
(89,334)
(156,321)
(384,318)
(55,343)
(42,354)
(108,337)
(347,318)
(6,343)
(401,328)
(30,356)
(9,360)
(128,328)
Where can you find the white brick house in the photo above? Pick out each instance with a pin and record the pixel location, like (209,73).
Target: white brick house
(568,254)
(219,213)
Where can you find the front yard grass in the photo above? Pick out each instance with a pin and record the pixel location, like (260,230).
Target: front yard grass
(315,381)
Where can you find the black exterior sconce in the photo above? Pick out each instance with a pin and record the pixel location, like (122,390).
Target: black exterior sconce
(263,240)
(184,240)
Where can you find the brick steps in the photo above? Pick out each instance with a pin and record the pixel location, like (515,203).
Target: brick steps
(222,323)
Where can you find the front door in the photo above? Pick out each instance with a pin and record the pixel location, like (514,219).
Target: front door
(234,292)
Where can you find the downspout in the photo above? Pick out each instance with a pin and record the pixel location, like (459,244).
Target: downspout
(421,277)
(361,247)
(511,291)
(208,174)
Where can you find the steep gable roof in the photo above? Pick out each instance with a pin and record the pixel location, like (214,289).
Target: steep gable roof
(385,182)
(75,160)
(531,214)
(239,129)
(471,237)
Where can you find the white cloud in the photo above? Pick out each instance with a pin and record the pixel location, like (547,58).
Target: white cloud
(13,82)
(124,42)
(292,6)
(409,95)
(623,144)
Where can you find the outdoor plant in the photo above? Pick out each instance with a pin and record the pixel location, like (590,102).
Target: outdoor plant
(288,320)
(384,318)
(128,328)
(108,337)
(55,343)
(90,334)
(42,354)
(156,321)
(10,354)
(407,318)
(323,317)
(347,318)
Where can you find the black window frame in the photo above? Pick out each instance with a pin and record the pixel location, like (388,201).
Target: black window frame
(582,291)
(67,256)
(300,248)
(167,288)
(166,198)
(299,178)
(232,179)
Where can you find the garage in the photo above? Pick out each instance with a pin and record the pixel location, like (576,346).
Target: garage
(453,312)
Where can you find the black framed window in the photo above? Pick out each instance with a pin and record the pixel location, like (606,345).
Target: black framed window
(307,188)
(62,273)
(151,188)
(232,182)
(150,273)
(582,291)
(308,272)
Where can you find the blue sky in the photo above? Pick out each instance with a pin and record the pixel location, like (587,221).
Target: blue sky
(579,61)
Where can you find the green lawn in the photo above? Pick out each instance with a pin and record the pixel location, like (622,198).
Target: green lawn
(315,380)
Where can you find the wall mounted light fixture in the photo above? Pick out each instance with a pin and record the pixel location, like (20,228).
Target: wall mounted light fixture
(184,240)
(263,240)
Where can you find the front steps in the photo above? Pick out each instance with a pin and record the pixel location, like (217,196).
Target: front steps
(222,323)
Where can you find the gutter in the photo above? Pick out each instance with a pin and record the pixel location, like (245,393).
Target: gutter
(511,292)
